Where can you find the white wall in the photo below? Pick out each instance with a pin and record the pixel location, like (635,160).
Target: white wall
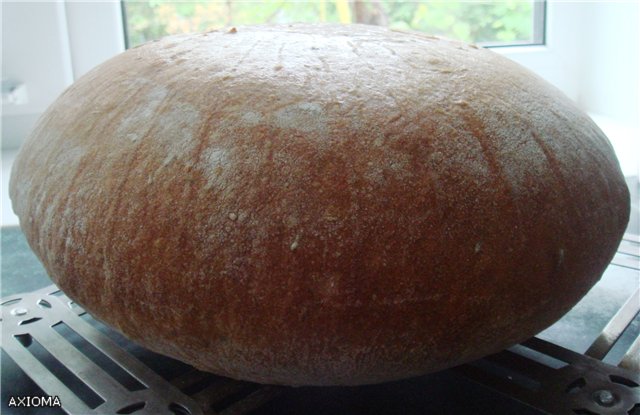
(95,33)
(609,72)
(610,77)
(35,50)
(47,45)
(592,55)
(559,59)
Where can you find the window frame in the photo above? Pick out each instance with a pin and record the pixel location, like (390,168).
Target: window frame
(554,60)
(538,37)
(82,20)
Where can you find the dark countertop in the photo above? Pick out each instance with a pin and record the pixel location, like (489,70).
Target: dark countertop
(20,270)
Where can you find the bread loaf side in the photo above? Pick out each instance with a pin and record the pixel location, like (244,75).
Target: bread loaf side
(319,204)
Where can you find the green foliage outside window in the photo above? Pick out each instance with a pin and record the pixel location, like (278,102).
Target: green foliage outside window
(496,22)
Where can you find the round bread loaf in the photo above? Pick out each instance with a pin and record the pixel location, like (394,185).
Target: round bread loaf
(319,205)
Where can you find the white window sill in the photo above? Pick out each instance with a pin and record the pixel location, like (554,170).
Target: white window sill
(625,140)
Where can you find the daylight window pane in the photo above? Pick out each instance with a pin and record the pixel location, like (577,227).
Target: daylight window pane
(495,23)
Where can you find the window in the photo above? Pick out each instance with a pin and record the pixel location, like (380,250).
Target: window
(503,23)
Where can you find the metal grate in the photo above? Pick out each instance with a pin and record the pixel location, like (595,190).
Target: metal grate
(44,333)
(628,254)
(556,380)
(52,340)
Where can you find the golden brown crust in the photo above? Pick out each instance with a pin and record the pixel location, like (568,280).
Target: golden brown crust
(319,204)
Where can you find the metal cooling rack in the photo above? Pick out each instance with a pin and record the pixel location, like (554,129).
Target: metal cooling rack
(556,380)
(45,334)
(54,342)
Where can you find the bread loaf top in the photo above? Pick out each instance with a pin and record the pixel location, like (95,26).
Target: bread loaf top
(319,204)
